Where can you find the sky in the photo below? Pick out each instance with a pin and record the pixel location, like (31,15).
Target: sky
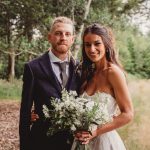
(142,21)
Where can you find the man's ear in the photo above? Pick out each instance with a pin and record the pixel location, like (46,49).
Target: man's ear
(73,38)
(49,37)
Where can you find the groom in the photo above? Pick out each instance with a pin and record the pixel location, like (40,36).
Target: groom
(43,78)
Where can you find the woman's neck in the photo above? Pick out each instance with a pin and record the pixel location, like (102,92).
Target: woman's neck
(101,65)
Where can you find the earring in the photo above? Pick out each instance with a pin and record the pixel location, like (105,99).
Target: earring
(108,55)
(93,67)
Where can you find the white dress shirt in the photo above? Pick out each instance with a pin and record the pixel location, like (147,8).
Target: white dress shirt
(55,67)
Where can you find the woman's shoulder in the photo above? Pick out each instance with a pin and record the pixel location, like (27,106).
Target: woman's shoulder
(115,71)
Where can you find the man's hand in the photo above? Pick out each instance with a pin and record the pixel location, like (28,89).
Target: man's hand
(34,116)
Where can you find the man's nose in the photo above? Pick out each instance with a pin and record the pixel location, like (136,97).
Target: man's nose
(63,36)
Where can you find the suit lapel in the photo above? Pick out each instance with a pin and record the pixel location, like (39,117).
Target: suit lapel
(47,69)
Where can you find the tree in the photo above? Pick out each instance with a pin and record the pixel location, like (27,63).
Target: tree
(20,19)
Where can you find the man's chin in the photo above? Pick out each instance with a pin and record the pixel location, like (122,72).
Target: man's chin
(63,48)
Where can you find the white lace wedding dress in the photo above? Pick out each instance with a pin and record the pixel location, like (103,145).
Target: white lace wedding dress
(110,140)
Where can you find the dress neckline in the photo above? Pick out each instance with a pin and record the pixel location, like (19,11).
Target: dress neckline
(98,92)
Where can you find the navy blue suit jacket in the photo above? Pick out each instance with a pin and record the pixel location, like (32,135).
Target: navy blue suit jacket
(39,85)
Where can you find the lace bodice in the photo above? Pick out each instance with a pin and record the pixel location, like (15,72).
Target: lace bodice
(102,96)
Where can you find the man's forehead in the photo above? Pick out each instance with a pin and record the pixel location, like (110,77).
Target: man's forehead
(62,27)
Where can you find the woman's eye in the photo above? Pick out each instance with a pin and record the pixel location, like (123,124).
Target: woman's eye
(97,44)
(87,45)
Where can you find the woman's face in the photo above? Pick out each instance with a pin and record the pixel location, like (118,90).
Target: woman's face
(94,47)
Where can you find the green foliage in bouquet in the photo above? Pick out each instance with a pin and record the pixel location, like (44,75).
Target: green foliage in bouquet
(75,113)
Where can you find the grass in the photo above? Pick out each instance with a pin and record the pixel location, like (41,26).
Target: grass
(10,90)
(136,134)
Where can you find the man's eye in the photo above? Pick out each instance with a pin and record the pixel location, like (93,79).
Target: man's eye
(57,33)
(68,34)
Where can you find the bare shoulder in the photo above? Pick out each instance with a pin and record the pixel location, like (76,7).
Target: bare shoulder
(114,72)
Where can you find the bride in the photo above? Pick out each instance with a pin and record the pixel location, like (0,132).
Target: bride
(102,74)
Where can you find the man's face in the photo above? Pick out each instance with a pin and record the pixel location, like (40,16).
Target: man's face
(61,38)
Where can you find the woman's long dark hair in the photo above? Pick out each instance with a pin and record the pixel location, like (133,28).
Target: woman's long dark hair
(108,40)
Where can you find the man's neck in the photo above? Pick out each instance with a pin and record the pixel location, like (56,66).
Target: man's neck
(62,56)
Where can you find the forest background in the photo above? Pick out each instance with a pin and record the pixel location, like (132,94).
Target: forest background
(24,25)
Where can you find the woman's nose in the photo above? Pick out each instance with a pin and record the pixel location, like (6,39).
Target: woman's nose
(92,49)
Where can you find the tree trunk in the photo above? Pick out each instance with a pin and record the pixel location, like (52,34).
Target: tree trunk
(11,66)
(77,44)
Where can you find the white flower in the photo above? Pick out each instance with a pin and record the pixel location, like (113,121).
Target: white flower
(45,111)
(73,93)
(73,128)
(72,112)
(90,105)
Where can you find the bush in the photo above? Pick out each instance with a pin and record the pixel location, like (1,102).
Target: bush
(10,90)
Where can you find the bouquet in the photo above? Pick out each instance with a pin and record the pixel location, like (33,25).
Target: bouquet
(75,114)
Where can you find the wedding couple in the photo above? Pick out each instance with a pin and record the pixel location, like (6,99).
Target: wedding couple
(46,76)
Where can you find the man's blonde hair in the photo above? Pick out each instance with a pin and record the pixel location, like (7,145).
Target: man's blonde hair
(62,19)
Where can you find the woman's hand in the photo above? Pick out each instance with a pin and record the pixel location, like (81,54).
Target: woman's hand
(83,136)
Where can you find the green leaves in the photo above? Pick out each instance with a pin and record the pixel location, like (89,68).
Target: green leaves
(76,113)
